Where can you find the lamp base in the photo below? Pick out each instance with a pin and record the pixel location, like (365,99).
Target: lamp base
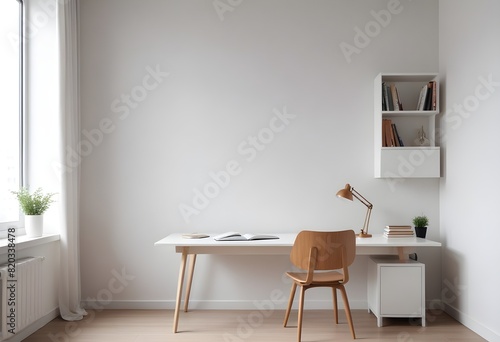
(364,235)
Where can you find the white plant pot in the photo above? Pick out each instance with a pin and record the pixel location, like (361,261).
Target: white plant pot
(33,224)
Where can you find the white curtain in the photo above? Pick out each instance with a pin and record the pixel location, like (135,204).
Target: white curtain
(69,285)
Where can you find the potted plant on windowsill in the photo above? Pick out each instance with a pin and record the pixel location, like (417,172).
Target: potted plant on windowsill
(33,205)
(420,223)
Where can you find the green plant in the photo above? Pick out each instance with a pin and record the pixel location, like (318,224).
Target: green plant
(420,221)
(33,204)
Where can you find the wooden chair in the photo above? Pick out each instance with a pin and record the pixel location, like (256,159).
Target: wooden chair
(331,253)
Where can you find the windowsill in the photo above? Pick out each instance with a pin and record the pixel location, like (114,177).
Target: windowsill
(23,242)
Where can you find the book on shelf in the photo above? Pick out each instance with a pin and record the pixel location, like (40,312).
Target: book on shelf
(429,101)
(400,104)
(398,137)
(394,133)
(234,236)
(434,96)
(421,97)
(384,134)
(390,135)
(390,98)
(387,133)
(395,98)
(387,96)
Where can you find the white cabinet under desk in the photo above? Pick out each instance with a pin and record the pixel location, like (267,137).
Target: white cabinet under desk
(396,288)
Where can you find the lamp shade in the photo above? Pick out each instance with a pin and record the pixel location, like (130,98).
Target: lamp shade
(345,193)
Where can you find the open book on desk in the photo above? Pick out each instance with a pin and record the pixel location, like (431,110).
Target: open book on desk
(234,236)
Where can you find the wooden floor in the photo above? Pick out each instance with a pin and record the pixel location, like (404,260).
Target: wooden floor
(239,326)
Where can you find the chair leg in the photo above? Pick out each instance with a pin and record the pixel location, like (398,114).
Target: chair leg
(301,310)
(335,307)
(347,310)
(290,301)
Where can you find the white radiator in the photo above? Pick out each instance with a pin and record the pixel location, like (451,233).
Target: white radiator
(21,299)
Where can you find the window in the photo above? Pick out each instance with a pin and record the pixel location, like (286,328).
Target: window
(11,112)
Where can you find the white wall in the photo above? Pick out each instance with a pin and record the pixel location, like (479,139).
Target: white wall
(469,204)
(150,143)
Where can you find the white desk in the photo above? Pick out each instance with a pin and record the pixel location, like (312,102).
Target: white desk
(376,245)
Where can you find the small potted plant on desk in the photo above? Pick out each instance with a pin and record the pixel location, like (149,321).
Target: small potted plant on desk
(33,206)
(420,223)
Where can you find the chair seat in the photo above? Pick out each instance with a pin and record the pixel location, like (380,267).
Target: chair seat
(318,278)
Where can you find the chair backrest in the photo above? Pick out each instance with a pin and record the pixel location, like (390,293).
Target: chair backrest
(328,246)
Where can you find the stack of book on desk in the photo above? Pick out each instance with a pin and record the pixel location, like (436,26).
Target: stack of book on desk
(398,231)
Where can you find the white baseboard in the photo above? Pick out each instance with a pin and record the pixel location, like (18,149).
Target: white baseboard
(472,324)
(216,305)
(34,326)
(226,305)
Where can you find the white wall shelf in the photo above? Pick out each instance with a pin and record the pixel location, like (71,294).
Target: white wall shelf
(411,160)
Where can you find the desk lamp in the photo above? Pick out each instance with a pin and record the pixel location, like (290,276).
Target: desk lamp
(347,193)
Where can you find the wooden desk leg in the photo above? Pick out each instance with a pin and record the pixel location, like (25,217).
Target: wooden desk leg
(404,253)
(179,288)
(192,261)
